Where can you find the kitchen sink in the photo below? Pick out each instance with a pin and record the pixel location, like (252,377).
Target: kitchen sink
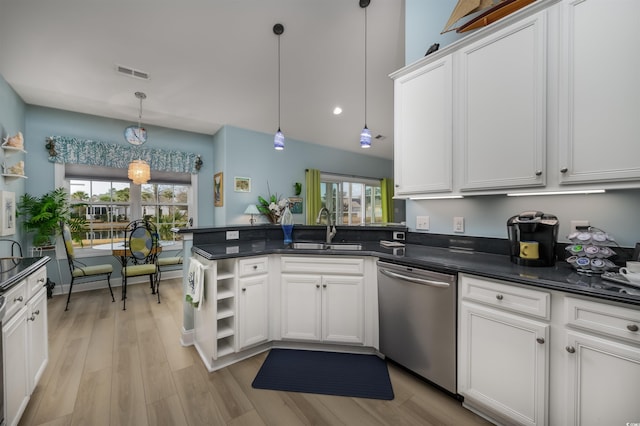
(309,246)
(325,246)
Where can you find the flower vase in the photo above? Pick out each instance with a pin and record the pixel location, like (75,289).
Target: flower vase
(286,221)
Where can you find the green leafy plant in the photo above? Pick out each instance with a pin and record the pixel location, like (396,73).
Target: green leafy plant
(41,216)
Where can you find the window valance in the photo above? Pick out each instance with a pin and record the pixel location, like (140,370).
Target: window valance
(64,149)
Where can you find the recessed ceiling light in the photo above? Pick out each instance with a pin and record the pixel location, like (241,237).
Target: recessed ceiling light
(337,111)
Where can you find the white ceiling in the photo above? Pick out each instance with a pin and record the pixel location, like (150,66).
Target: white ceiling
(211,63)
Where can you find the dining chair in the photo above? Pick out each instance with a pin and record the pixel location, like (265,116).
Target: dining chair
(80,270)
(141,238)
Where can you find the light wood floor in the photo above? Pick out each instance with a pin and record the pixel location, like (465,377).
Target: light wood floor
(114,367)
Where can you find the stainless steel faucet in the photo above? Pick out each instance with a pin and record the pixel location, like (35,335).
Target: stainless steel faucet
(331,228)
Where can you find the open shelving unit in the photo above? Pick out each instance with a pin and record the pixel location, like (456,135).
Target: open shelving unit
(225,299)
(10,150)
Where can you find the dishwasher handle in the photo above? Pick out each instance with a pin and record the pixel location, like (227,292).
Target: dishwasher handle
(416,280)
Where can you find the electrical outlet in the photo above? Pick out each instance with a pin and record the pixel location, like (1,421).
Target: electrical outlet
(398,235)
(233,235)
(458,224)
(578,223)
(422,222)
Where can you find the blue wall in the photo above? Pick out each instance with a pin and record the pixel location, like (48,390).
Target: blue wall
(251,154)
(424,20)
(12,121)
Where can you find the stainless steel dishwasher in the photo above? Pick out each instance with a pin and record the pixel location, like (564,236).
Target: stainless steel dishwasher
(417,315)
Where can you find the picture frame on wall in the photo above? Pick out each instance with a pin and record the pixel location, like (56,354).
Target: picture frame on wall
(295,205)
(7,213)
(218,190)
(242,184)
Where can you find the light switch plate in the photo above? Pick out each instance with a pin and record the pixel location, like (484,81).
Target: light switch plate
(422,223)
(458,224)
(233,235)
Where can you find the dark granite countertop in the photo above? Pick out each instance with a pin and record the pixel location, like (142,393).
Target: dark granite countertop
(559,277)
(14,270)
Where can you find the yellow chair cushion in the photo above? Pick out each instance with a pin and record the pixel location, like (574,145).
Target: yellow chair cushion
(135,270)
(165,261)
(92,270)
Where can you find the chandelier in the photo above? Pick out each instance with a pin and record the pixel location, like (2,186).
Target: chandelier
(139,171)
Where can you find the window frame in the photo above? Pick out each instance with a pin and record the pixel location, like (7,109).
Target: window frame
(337,212)
(135,200)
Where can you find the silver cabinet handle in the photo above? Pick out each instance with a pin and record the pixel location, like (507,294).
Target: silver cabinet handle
(317,285)
(244,289)
(324,286)
(564,170)
(37,312)
(255,267)
(538,172)
(632,327)
(499,296)
(41,280)
(18,299)
(570,349)
(540,340)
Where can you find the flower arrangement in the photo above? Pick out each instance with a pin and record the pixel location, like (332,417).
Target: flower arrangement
(272,207)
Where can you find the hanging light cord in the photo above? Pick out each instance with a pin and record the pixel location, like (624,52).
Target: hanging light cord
(278,82)
(365,67)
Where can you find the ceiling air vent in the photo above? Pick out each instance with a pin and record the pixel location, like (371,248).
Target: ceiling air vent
(132,72)
(380,137)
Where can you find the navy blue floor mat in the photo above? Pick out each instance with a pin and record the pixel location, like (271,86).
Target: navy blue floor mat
(329,373)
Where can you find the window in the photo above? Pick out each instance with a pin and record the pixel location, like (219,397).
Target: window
(352,201)
(108,204)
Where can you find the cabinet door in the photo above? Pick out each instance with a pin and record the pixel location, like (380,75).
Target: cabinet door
(599,91)
(603,378)
(253,318)
(503,361)
(423,130)
(301,307)
(38,339)
(16,380)
(501,113)
(342,309)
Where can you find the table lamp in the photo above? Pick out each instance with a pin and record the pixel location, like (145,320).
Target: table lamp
(252,209)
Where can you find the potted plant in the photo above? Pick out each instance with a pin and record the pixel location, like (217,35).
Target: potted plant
(42,216)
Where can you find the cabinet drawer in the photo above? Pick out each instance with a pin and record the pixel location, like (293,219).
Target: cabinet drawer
(36,281)
(253,266)
(602,318)
(16,297)
(505,296)
(322,265)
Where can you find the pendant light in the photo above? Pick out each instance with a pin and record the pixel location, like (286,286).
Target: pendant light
(139,171)
(365,134)
(278,140)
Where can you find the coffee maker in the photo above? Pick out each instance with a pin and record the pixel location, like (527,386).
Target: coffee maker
(532,238)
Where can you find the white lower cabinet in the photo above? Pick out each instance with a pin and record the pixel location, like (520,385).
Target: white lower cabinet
(253,302)
(324,306)
(570,360)
(24,343)
(601,364)
(502,356)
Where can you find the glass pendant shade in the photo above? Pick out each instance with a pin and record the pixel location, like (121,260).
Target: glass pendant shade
(139,172)
(365,138)
(278,141)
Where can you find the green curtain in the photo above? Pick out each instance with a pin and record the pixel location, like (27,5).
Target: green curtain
(314,201)
(386,190)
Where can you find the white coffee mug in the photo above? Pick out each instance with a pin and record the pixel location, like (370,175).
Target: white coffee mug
(633,277)
(633,266)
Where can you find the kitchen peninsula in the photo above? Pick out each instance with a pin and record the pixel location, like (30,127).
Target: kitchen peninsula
(255,288)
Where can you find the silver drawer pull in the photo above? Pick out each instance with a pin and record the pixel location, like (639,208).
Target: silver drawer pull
(570,349)
(41,280)
(499,296)
(255,266)
(632,327)
(18,299)
(540,340)
(37,312)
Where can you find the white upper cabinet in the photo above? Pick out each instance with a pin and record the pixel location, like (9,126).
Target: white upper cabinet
(501,108)
(599,91)
(423,129)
